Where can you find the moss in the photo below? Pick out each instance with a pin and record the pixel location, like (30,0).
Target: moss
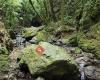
(78,50)
(43,36)
(94,32)
(97,54)
(28,32)
(73,41)
(4,63)
(91,41)
(86,45)
(75,38)
(3,50)
(90,45)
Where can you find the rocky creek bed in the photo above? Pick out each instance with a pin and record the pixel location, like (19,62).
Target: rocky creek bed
(35,57)
(91,67)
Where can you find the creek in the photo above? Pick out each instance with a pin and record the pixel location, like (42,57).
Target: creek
(82,61)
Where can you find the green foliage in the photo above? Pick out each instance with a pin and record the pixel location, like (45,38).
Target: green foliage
(43,36)
(77,13)
(3,50)
(11,17)
(1,3)
(3,59)
(4,64)
(69,20)
(92,46)
(26,12)
(78,50)
(74,40)
(29,32)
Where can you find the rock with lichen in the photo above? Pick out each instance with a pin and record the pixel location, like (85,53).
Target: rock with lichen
(31,31)
(47,58)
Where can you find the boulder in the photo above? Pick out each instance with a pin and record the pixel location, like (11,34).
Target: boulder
(90,45)
(92,72)
(46,58)
(29,32)
(43,36)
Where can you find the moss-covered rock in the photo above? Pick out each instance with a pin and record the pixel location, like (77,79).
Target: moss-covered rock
(73,40)
(29,32)
(97,54)
(43,36)
(92,46)
(78,50)
(47,58)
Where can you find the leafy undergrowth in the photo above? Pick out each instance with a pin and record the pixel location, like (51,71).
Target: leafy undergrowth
(4,64)
(88,42)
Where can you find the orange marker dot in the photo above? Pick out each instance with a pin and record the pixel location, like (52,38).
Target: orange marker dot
(39,50)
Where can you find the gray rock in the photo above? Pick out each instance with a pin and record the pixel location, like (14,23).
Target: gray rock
(92,72)
(33,41)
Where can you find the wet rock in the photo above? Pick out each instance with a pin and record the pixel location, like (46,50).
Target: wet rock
(92,72)
(46,58)
(33,41)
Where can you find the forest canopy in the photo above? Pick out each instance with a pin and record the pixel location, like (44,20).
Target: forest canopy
(80,13)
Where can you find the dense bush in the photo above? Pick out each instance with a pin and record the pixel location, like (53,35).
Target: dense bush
(10,9)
